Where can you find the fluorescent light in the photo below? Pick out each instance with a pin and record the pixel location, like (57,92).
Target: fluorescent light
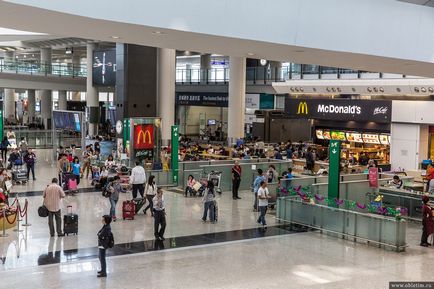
(250,53)
(115,37)
(157,32)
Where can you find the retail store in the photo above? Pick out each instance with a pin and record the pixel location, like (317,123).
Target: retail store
(363,126)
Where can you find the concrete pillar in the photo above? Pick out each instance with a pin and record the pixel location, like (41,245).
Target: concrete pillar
(46,107)
(205,67)
(76,63)
(9,98)
(31,103)
(62,100)
(237,98)
(91,94)
(188,73)
(9,106)
(76,95)
(166,91)
(46,95)
(275,68)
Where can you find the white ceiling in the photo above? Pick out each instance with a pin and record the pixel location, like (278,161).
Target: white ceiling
(367,35)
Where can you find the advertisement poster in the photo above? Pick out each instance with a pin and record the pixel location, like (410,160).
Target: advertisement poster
(143,137)
(373,177)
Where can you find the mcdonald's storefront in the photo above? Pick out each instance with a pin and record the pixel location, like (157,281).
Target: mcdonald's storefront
(363,126)
(144,139)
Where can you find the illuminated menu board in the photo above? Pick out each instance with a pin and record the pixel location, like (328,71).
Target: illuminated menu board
(338,135)
(371,138)
(354,137)
(319,134)
(384,139)
(326,134)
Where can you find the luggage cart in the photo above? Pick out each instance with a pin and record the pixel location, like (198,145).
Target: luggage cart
(215,178)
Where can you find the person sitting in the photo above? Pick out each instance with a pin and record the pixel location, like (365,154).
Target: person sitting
(15,158)
(190,183)
(110,161)
(396,182)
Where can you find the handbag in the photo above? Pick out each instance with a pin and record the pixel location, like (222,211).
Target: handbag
(8,185)
(43,211)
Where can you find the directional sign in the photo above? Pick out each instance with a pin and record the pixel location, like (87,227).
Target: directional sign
(334,168)
(174,158)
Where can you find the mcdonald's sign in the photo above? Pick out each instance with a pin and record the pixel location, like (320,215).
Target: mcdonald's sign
(302,108)
(143,136)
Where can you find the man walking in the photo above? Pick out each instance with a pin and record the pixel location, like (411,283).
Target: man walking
(30,159)
(53,195)
(137,179)
(256,184)
(159,216)
(263,196)
(236,180)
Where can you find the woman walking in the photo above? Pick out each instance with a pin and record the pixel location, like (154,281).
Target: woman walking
(114,189)
(208,203)
(427,225)
(150,192)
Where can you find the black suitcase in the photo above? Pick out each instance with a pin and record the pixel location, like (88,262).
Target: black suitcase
(70,222)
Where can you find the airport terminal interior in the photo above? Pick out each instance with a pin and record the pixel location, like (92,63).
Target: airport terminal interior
(217,144)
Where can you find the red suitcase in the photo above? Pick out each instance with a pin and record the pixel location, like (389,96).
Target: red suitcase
(128,210)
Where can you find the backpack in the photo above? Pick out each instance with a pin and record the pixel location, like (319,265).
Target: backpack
(111,240)
(107,190)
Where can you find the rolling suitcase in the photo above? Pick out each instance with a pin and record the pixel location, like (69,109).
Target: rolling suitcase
(139,203)
(128,210)
(70,222)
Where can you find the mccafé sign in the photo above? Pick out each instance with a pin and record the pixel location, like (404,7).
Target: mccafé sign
(143,136)
(340,109)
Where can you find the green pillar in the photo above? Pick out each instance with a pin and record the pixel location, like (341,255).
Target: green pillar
(126,131)
(174,157)
(334,168)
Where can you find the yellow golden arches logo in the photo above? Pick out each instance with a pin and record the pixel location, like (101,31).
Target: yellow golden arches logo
(302,108)
(145,136)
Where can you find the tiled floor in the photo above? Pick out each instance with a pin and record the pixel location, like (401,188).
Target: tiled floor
(234,253)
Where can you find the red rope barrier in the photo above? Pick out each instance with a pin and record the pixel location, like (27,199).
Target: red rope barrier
(24,210)
(15,200)
(15,218)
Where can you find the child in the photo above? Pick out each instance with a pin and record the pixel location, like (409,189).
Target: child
(103,243)
(76,169)
(115,188)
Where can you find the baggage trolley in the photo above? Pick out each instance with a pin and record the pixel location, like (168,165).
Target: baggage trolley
(215,178)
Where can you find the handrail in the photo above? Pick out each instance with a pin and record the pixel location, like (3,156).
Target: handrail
(53,69)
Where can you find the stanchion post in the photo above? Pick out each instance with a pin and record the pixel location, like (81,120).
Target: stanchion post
(18,218)
(26,206)
(4,224)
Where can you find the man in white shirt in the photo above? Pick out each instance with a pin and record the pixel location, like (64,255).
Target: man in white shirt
(53,195)
(263,196)
(138,179)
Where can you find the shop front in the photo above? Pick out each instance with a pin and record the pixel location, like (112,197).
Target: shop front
(202,114)
(362,126)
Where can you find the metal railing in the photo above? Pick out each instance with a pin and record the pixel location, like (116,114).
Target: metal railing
(53,69)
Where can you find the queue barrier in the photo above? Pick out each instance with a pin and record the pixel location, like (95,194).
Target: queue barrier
(381,230)
(19,214)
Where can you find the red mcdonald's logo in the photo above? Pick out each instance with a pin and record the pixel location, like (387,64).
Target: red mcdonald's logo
(144,136)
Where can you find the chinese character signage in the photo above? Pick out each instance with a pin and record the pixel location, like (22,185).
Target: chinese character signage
(143,136)
(373,177)
(174,158)
(334,168)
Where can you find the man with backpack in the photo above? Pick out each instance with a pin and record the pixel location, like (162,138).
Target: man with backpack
(105,241)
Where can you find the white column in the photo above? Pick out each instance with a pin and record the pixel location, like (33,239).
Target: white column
(9,99)
(237,98)
(62,100)
(31,103)
(46,106)
(76,95)
(91,93)
(46,95)
(205,67)
(166,91)
(9,106)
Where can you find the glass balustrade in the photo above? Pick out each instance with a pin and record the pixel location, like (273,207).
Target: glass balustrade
(54,69)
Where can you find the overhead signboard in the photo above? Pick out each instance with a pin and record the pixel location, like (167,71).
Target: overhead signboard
(143,136)
(202,99)
(340,109)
